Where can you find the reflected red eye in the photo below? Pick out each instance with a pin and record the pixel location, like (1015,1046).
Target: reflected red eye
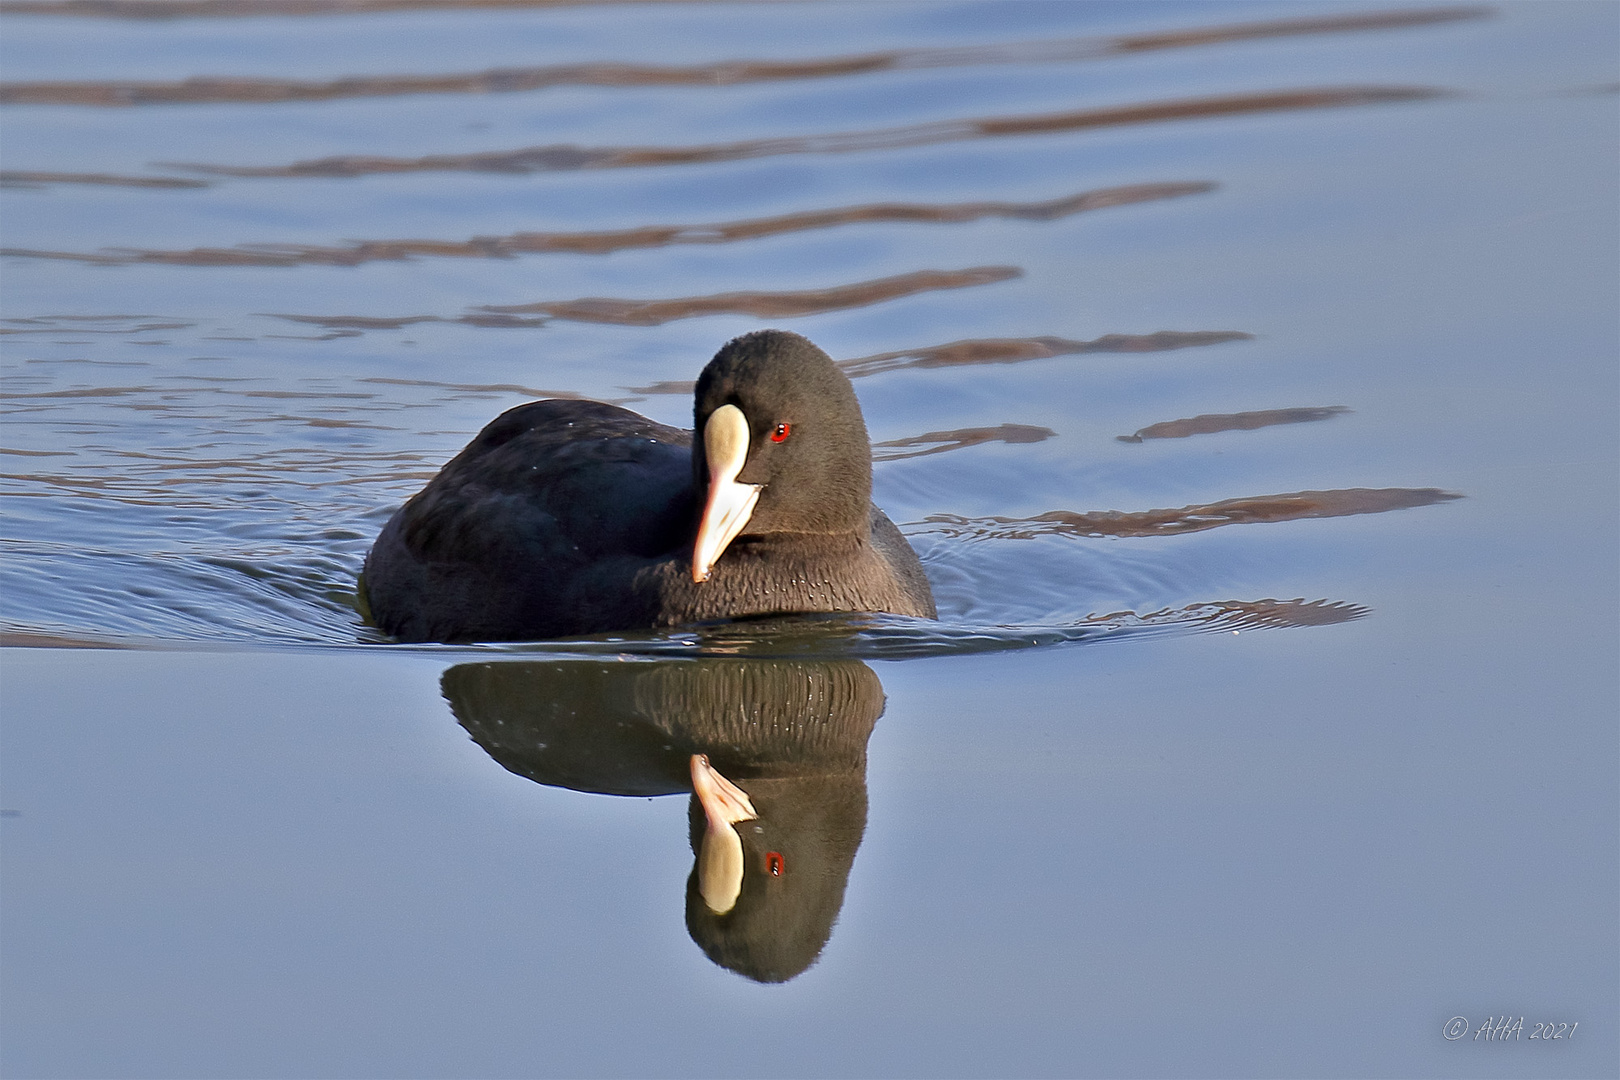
(773,863)
(782,432)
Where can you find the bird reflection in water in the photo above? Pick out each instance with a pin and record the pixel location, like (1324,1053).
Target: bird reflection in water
(773,752)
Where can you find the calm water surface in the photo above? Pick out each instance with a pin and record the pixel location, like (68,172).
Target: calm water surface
(1244,374)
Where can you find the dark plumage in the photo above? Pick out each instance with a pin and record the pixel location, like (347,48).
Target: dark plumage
(792,734)
(574,517)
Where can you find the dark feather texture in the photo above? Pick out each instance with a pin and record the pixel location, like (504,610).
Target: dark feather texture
(574,517)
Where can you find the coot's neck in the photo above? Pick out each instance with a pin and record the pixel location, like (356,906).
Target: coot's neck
(777,573)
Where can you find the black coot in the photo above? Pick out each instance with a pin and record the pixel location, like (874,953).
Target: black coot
(574,517)
(773,752)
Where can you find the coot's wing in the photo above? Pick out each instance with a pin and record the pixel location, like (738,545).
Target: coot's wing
(543,498)
(911,594)
(597,479)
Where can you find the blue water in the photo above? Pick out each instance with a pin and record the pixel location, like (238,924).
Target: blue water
(1109,830)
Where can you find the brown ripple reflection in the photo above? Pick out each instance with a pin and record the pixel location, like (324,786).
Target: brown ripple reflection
(191,9)
(19,178)
(1211,423)
(199,482)
(656,312)
(29,639)
(564,157)
(1264,508)
(1017,350)
(208,89)
(644,236)
(91,324)
(1241,615)
(477,388)
(1001,351)
(763,304)
(938,442)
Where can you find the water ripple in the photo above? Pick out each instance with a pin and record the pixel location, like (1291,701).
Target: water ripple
(998,351)
(835,636)
(939,442)
(621,312)
(1213,423)
(1293,506)
(24,178)
(211,89)
(567,158)
(603,242)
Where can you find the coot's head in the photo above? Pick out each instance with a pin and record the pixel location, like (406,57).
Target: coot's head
(780,445)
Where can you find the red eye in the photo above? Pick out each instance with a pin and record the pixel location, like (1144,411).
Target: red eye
(773,863)
(782,432)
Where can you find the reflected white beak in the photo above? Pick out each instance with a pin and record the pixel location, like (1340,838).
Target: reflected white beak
(730,504)
(720,856)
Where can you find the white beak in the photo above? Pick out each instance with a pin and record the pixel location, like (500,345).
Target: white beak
(720,856)
(730,504)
